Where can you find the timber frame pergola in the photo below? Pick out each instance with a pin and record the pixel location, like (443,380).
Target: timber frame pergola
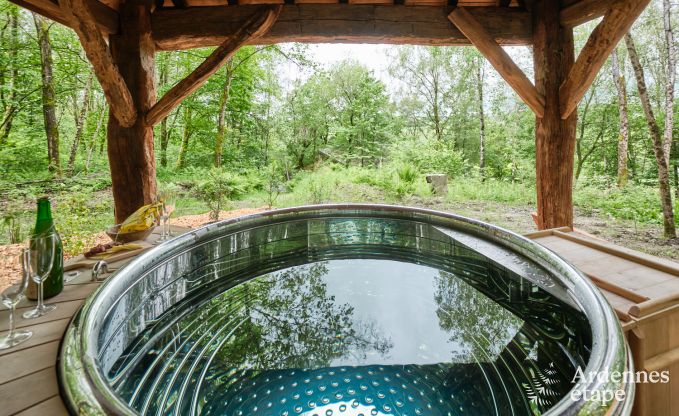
(120,38)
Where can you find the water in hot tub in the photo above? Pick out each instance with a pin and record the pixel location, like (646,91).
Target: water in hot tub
(362,337)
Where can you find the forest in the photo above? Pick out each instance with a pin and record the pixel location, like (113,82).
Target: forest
(276,127)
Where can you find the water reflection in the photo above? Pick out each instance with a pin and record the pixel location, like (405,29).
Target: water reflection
(384,336)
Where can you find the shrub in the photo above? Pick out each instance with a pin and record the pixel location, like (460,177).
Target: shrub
(430,156)
(217,189)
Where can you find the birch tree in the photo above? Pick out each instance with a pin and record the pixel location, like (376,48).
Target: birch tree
(623,138)
(661,157)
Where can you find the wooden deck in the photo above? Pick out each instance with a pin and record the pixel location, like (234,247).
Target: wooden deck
(637,286)
(28,375)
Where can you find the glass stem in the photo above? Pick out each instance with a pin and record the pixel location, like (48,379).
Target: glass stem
(10,334)
(41,305)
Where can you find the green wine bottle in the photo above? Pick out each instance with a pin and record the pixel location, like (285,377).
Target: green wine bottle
(54,283)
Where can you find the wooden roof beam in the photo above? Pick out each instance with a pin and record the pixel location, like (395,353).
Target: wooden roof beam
(585,10)
(105,17)
(82,20)
(338,23)
(599,46)
(500,60)
(253,28)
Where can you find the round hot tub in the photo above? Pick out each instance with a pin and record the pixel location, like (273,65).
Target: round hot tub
(346,310)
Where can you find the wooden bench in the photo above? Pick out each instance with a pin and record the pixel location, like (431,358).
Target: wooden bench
(644,291)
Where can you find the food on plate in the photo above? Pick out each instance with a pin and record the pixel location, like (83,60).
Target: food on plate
(142,219)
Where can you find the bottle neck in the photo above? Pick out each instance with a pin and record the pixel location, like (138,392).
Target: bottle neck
(44,220)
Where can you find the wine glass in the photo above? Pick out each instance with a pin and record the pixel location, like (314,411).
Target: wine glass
(161,221)
(168,209)
(43,248)
(166,199)
(11,297)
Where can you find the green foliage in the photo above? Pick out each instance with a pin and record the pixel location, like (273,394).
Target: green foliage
(12,223)
(80,216)
(406,175)
(633,202)
(472,189)
(273,183)
(317,188)
(340,133)
(430,156)
(219,187)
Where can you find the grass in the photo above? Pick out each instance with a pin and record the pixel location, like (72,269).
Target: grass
(634,202)
(83,207)
(491,190)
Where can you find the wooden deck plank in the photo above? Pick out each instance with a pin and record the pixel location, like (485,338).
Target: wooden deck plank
(652,282)
(42,333)
(52,407)
(25,392)
(72,292)
(21,363)
(562,246)
(661,289)
(604,267)
(65,310)
(28,378)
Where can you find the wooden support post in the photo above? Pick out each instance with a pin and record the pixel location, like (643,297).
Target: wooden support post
(554,55)
(130,149)
(501,61)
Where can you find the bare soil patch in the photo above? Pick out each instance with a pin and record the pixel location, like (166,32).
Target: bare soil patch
(644,238)
(9,254)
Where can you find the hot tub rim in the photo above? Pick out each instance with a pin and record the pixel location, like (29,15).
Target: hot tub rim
(78,358)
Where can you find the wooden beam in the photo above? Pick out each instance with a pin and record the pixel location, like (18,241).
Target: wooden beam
(599,46)
(501,61)
(585,10)
(117,94)
(338,23)
(255,27)
(45,8)
(106,18)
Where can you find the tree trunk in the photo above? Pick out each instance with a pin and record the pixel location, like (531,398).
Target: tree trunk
(49,98)
(81,117)
(130,149)
(482,120)
(671,71)
(579,154)
(658,147)
(185,137)
(95,136)
(10,102)
(221,121)
(623,137)
(164,133)
(438,128)
(554,55)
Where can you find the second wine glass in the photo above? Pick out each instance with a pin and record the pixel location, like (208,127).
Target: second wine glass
(42,248)
(11,297)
